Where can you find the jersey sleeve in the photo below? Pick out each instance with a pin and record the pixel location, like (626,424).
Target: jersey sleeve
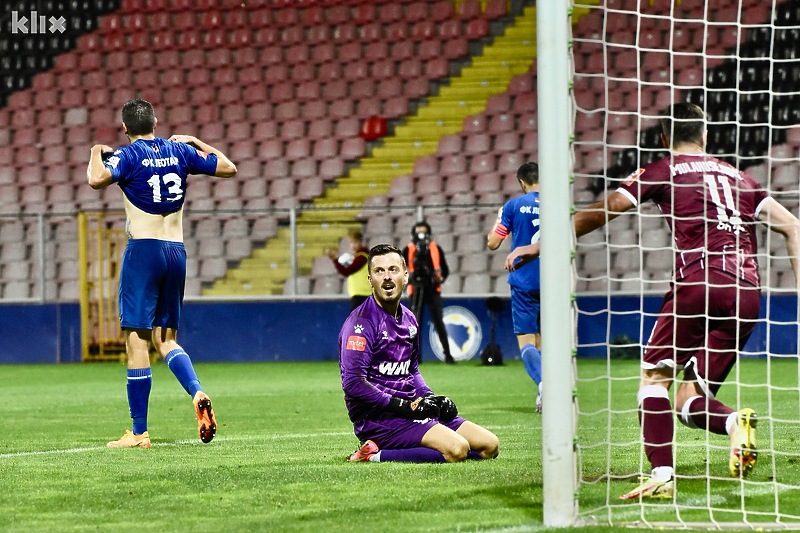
(644,183)
(355,346)
(197,161)
(118,164)
(503,227)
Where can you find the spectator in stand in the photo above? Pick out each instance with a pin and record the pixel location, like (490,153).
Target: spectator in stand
(354,268)
(427,268)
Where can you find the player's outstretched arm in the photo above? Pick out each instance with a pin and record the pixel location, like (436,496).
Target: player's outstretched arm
(600,213)
(781,220)
(97,174)
(225,167)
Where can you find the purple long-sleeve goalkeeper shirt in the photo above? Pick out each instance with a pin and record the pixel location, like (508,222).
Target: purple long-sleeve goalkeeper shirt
(378,359)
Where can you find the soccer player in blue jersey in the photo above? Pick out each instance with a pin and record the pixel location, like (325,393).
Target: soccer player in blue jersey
(519,217)
(395,415)
(152,173)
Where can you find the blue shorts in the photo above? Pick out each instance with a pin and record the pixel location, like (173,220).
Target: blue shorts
(151,282)
(525,311)
(398,433)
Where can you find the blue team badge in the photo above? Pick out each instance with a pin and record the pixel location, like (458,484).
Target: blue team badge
(463,332)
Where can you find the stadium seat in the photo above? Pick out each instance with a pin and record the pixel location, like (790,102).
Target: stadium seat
(331,168)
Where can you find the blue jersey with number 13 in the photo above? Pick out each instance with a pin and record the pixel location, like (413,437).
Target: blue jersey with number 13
(152,173)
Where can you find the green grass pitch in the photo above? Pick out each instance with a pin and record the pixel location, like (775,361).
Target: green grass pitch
(278,462)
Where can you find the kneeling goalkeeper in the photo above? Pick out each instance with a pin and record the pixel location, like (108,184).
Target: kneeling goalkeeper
(395,415)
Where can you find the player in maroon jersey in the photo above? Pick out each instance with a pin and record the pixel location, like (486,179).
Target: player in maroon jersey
(713,304)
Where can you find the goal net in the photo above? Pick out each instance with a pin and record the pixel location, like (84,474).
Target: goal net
(740,61)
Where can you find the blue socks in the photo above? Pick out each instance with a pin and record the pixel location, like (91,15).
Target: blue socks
(179,363)
(140,380)
(532,359)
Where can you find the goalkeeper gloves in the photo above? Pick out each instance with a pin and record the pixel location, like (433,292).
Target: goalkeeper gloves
(447,409)
(418,409)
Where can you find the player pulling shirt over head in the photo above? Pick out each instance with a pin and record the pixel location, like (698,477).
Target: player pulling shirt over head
(152,174)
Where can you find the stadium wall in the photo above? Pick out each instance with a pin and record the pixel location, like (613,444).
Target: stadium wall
(306,330)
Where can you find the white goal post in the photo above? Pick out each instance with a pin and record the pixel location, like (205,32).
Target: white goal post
(606,69)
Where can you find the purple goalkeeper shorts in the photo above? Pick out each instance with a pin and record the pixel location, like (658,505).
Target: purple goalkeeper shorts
(397,433)
(704,320)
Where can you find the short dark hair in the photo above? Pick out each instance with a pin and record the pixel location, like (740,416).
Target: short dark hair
(529,173)
(384,249)
(355,234)
(139,117)
(683,123)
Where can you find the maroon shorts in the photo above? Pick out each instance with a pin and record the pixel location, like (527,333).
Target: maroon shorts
(397,433)
(705,319)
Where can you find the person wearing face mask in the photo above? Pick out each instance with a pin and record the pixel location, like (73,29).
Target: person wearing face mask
(427,270)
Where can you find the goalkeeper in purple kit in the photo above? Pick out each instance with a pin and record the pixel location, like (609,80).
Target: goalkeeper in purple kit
(395,415)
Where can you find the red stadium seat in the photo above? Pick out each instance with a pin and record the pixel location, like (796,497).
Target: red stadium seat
(286,17)
(437,68)
(396,31)
(371,33)
(323,53)
(341,109)
(346,127)
(293,129)
(482,163)
(469,9)
(364,13)
(450,29)
(456,48)
(429,49)
(331,168)
(395,107)
(362,87)
(356,71)
(507,142)
(282,92)
(312,16)
(315,109)
(298,149)
(329,71)
(501,123)
(353,148)
(337,14)
(334,90)
(287,110)
(415,88)
(424,31)
(477,29)
(350,51)
(496,9)
(402,50)
(416,12)
(384,69)
(325,148)
(321,128)
(344,33)
(310,184)
(368,107)
(442,10)
(409,69)
(389,13)
(478,144)
(453,164)
(238,131)
(389,88)
(308,90)
(377,51)
(267,36)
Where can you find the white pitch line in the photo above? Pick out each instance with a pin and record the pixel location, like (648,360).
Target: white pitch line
(194,442)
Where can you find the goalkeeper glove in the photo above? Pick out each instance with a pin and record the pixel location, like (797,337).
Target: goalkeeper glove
(418,409)
(447,409)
